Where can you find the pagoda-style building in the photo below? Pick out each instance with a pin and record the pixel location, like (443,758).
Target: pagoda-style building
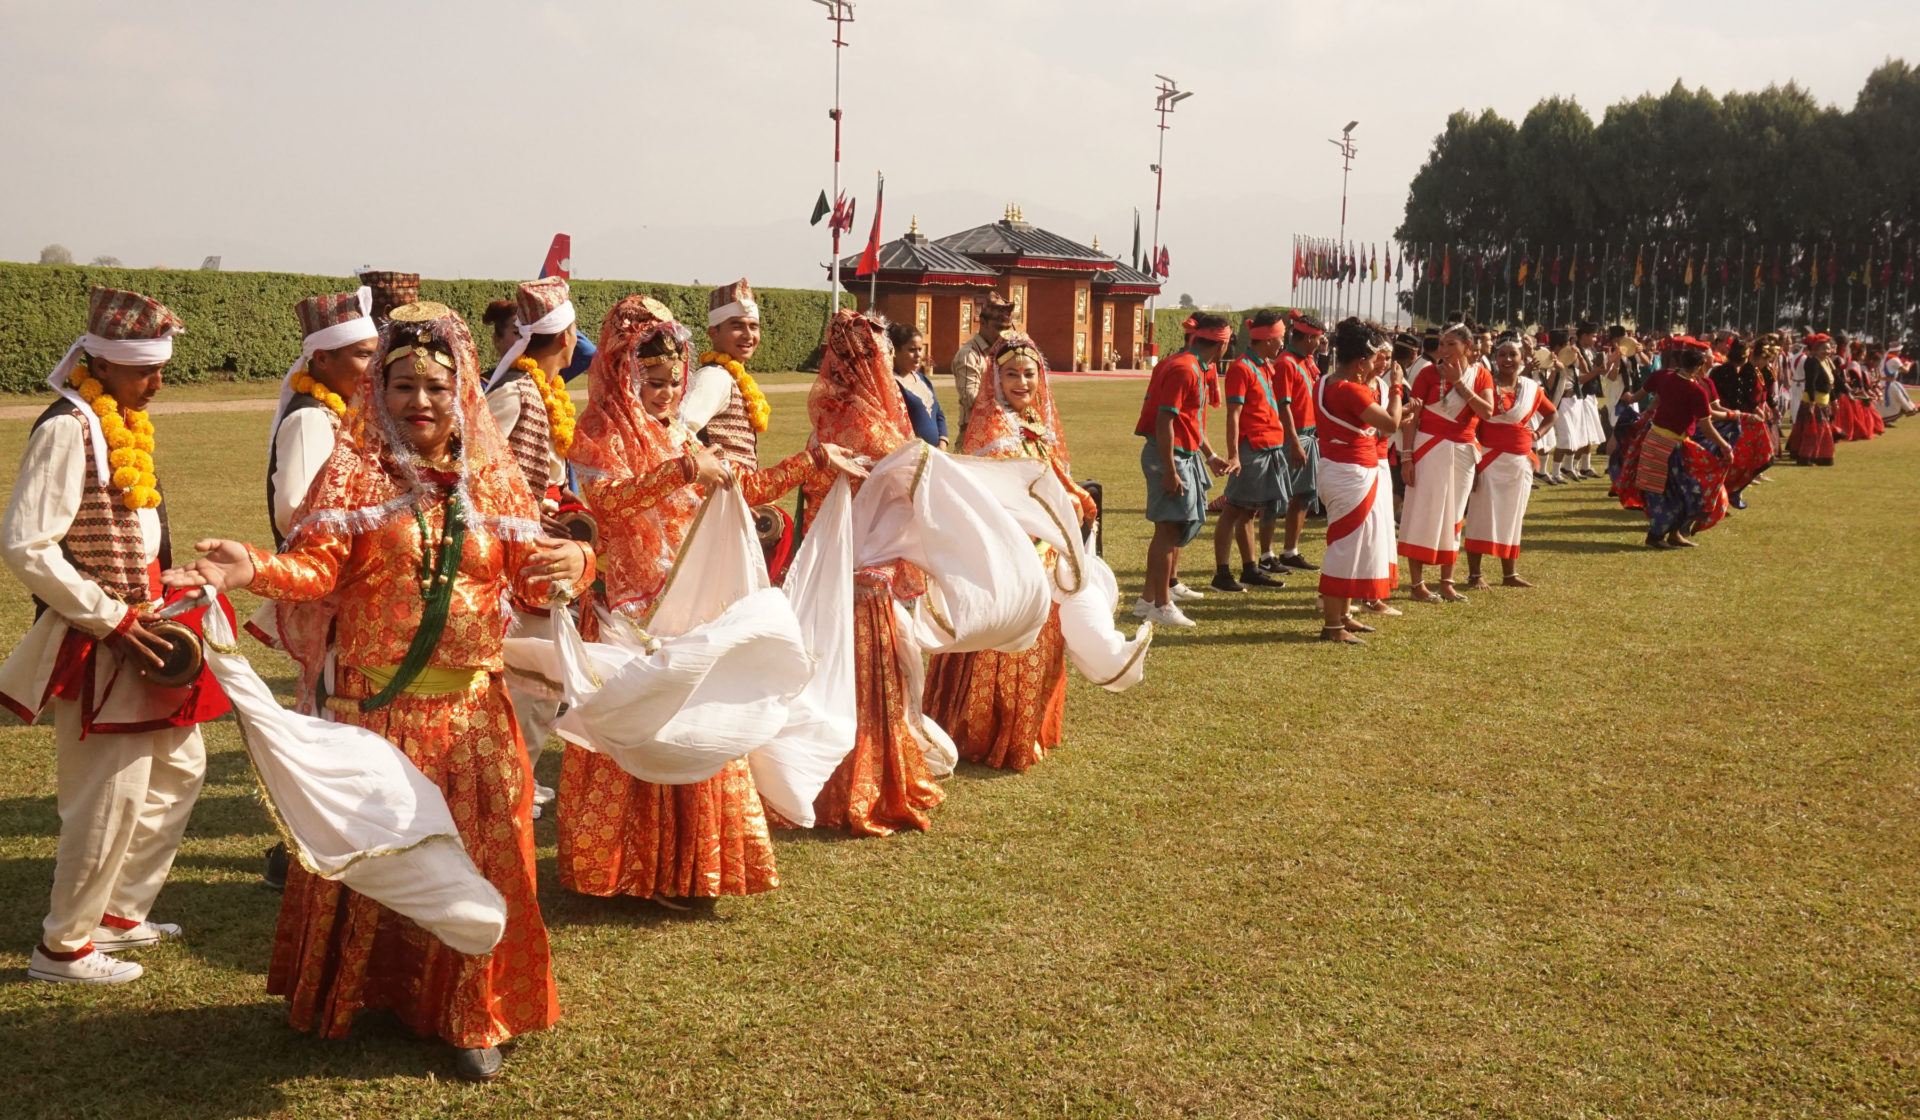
(1084,308)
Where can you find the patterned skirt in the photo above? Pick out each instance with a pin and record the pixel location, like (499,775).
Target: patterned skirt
(1694,498)
(622,836)
(884,785)
(1811,440)
(336,953)
(1752,444)
(1003,710)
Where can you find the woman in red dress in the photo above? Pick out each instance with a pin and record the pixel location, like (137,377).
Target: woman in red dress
(642,473)
(406,548)
(1004,709)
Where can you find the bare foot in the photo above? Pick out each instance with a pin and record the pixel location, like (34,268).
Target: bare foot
(1353,627)
(1377,606)
(1449,594)
(1419,593)
(1515,581)
(1339,635)
(1479,583)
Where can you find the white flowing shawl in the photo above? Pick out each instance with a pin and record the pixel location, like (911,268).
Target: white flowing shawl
(709,679)
(357,811)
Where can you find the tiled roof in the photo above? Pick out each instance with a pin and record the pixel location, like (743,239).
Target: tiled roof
(1019,239)
(1128,275)
(914,253)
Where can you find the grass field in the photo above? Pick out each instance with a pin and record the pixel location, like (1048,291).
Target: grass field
(1638,842)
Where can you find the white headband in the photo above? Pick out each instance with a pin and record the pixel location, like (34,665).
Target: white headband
(326,338)
(553,322)
(738,309)
(125,351)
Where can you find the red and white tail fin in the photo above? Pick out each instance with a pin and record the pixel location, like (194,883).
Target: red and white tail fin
(559,258)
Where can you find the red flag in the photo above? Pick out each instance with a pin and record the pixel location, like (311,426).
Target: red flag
(870,259)
(559,260)
(843,213)
(1446,267)
(1163,264)
(1556,265)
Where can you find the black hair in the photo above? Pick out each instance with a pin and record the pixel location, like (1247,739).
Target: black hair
(1266,317)
(659,346)
(1736,351)
(1616,332)
(1585,326)
(499,314)
(1208,321)
(1405,348)
(1355,338)
(1687,358)
(541,343)
(1557,338)
(902,333)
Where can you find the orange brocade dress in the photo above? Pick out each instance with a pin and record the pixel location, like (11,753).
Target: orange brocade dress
(623,836)
(1005,710)
(336,952)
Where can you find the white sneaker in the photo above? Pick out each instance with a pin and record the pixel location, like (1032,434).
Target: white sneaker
(111,940)
(1142,609)
(542,795)
(1169,615)
(94,968)
(1181,593)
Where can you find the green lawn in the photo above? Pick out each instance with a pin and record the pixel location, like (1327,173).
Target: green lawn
(1638,842)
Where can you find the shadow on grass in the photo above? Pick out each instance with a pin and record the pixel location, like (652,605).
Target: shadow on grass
(208,1062)
(228,924)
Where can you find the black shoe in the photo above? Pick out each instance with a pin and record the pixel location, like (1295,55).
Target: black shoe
(1298,562)
(1269,564)
(1223,581)
(1252,576)
(477,1065)
(274,877)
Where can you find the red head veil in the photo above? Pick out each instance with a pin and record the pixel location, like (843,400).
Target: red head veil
(616,440)
(855,402)
(994,428)
(374,475)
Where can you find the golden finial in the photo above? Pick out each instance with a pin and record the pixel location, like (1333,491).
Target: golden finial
(1007,215)
(1096,242)
(1018,216)
(913,227)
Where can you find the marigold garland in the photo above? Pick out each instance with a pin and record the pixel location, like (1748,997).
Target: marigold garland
(758,410)
(304,382)
(560,415)
(131,438)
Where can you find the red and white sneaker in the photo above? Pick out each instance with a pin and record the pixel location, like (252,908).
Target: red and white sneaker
(91,967)
(113,938)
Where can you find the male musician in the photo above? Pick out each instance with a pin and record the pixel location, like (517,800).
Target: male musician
(86,531)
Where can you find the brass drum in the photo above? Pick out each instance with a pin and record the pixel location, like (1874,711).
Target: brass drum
(183,659)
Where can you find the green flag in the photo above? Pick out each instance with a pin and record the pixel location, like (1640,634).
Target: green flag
(820,209)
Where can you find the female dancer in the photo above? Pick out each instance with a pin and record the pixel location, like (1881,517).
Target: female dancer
(1741,386)
(1355,487)
(1679,481)
(1438,461)
(1811,440)
(884,785)
(412,536)
(1004,709)
(1504,477)
(642,472)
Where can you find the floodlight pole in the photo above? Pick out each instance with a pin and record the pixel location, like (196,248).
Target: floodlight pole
(840,13)
(1167,95)
(1347,151)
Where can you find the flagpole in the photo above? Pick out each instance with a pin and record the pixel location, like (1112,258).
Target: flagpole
(1168,95)
(873,281)
(840,13)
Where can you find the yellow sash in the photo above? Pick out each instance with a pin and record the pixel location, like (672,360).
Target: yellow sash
(432,681)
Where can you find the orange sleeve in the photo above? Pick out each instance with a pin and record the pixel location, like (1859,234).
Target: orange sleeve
(771,483)
(299,575)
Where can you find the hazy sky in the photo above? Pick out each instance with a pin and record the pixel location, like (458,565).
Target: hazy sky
(684,141)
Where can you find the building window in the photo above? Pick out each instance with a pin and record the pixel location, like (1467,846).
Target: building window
(1018,293)
(1079,305)
(923,314)
(966,318)
(1106,320)
(1079,350)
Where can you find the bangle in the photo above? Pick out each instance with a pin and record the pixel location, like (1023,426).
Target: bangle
(687,469)
(818,453)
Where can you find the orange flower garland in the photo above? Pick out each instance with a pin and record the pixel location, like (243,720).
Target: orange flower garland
(131,440)
(304,382)
(758,410)
(560,414)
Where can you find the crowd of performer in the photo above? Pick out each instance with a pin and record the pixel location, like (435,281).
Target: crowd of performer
(432,519)
(1416,449)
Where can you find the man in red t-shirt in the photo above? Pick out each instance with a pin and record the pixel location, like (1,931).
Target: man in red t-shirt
(1295,375)
(1262,446)
(1175,460)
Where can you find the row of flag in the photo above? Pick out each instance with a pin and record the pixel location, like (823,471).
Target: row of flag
(1663,262)
(1154,262)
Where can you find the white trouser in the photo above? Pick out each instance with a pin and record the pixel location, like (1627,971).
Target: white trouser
(124,802)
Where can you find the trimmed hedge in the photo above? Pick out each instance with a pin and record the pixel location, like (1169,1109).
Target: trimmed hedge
(240,325)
